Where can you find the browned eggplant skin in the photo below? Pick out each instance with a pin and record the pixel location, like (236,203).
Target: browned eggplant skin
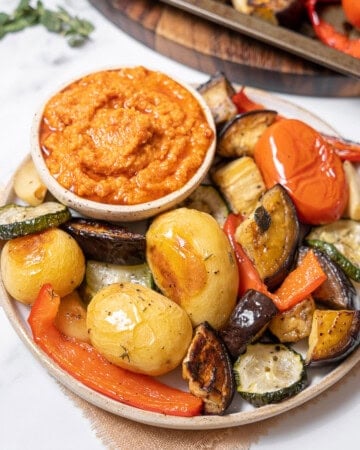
(107,242)
(250,316)
(337,291)
(271,248)
(239,135)
(207,368)
(217,93)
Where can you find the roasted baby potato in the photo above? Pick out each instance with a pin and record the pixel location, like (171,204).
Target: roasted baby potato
(241,184)
(248,321)
(295,323)
(30,261)
(138,329)
(71,317)
(193,263)
(270,236)
(208,370)
(334,334)
(239,135)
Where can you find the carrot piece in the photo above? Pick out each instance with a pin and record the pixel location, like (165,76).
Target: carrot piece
(87,365)
(301,282)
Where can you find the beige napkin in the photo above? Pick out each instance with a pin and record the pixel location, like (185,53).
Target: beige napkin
(117,433)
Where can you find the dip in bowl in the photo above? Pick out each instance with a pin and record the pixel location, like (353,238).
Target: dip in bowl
(123,144)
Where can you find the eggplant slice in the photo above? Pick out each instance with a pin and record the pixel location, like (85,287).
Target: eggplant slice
(239,136)
(270,236)
(247,322)
(107,242)
(217,93)
(337,291)
(208,370)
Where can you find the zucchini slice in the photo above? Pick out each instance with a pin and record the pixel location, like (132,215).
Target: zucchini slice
(269,373)
(107,242)
(206,198)
(344,249)
(18,220)
(100,274)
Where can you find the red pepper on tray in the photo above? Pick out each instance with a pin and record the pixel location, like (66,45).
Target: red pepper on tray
(87,365)
(243,103)
(329,35)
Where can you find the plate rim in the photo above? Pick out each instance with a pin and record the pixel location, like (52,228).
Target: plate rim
(202,422)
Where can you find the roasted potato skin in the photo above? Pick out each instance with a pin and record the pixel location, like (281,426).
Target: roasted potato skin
(52,256)
(138,329)
(193,264)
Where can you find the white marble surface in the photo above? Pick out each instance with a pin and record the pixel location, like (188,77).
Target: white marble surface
(34,413)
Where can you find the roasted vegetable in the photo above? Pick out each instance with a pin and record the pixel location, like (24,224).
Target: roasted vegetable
(208,370)
(295,323)
(107,242)
(83,362)
(352,175)
(206,198)
(217,93)
(337,291)
(193,264)
(239,135)
(28,186)
(17,220)
(344,249)
(241,183)
(71,317)
(138,329)
(287,13)
(334,334)
(270,235)
(269,373)
(248,320)
(28,262)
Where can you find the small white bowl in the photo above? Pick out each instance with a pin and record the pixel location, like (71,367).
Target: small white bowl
(121,213)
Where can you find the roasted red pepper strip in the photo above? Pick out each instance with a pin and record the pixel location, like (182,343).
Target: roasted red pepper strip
(243,103)
(87,365)
(248,276)
(346,150)
(329,35)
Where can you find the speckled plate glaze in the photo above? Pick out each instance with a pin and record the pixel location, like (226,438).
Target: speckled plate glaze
(240,413)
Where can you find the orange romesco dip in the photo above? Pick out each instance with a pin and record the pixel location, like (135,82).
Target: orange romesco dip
(124,136)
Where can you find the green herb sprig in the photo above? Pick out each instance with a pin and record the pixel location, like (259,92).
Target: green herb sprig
(75,30)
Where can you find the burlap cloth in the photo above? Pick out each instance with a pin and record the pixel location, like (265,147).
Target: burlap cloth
(117,433)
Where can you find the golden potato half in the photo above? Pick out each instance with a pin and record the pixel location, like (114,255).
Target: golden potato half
(52,256)
(138,329)
(193,264)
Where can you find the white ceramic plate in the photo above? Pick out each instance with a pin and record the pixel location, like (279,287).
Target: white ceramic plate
(240,412)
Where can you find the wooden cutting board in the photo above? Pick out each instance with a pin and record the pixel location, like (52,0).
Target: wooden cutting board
(209,47)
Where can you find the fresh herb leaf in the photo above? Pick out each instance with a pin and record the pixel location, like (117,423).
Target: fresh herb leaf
(75,30)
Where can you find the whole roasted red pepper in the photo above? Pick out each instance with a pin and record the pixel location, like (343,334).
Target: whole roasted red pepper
(87,365)
(329,35)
